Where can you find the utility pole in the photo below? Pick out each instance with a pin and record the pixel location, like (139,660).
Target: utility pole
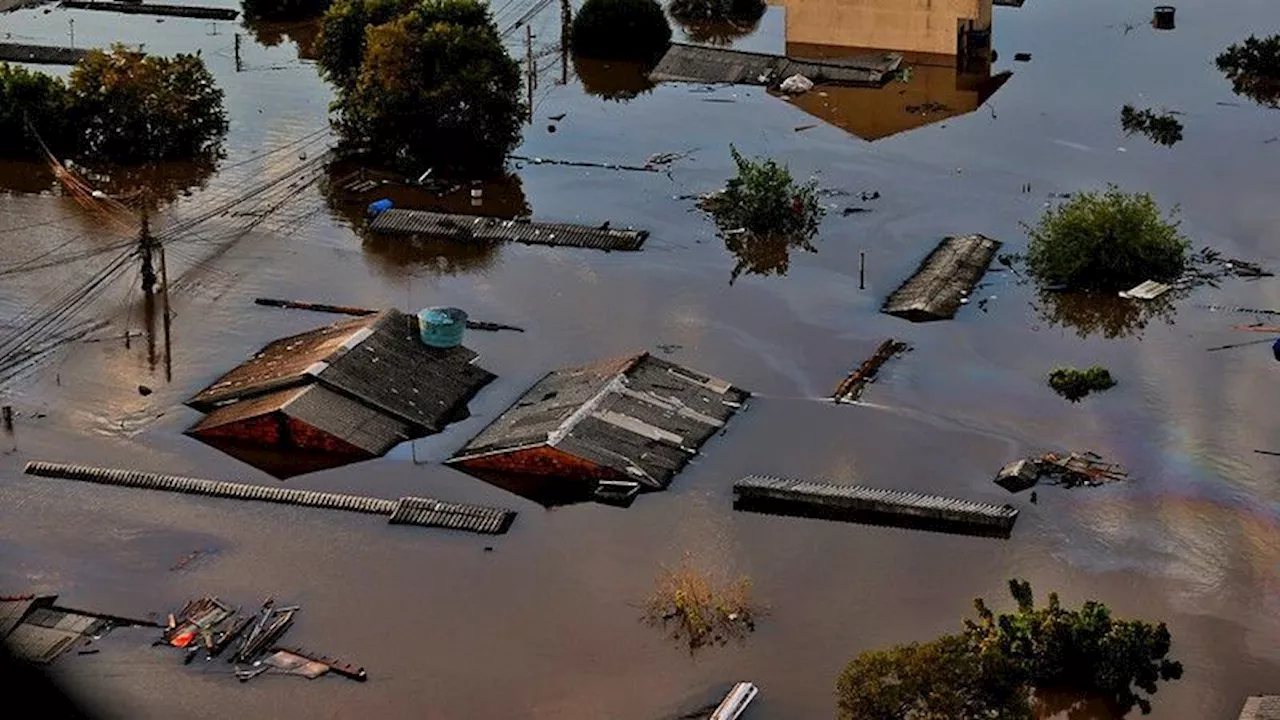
(146,247)
(528,61)
(164,285)
(238,66)
(566,23)
(71,30)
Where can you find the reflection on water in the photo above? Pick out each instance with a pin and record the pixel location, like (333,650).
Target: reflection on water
(764,254)
(282,464)
(302,33)
(349,189)
(547,492)
(1102,314)
(163,182)
(1049,705)
(717,32)
(615,80)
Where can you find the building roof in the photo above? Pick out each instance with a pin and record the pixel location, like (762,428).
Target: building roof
(1261,707)
(638,415)
(377,360)
(13,609)
(359,425)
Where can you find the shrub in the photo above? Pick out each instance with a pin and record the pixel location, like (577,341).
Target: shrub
(1162,128)
(284,9)
(1107,241)
(702,10)
(765,199)
(1253,67)
(436,89)
(1075,384)
(42,99)
(131,107)
(698,610)
(621,30)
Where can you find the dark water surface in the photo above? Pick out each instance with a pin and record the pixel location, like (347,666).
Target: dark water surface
(546,625)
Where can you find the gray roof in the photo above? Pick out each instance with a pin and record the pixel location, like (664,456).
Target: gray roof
(943,279)
(641,416)
(476,229)
(378,360)
(1261,707)
(701,64)
(12,611)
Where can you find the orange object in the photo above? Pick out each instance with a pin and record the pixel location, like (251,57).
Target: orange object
(183,638)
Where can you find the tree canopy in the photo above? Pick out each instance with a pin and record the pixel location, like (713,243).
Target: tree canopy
(342,36)
(1106,241)
(435,88)
(118,107)
(284,9)
(621,30)
(992,668)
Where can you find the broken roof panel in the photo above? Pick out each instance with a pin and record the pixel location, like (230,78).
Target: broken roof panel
(637,417)
(943,280)
(701,64)
(40,645)
(1261,707)
(12,610)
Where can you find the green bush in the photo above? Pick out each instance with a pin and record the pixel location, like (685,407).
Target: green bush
(284,9)
(764,199)
(1162,128)
(1074,384)
(1253,67)
(1106,241)
(621,30)
(436,89)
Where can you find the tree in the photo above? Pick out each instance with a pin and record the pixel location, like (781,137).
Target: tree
(1074,384)
(991,670)
(621,30)
(284,9)
(130,107)
(37,98)
(1253,67)
(940,680)
(1108,241)
(342,36)
(437,89)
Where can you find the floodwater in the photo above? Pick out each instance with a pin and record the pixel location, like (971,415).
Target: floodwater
(546,625)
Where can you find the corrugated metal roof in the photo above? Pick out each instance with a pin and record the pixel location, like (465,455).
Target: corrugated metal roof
(946,276)
(37,644)
(282,363)
(454,516)
(12,611)
(1261,707)
(474,228)
(357,424)
(393,371)
(641,416)
(701,64)
(874,498)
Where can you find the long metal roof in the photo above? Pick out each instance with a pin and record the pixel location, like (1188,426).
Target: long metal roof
(475,228)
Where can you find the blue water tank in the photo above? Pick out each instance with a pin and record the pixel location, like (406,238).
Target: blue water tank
(378,206)
(442,327)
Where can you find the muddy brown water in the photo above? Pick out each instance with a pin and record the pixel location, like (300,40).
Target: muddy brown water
(546,625)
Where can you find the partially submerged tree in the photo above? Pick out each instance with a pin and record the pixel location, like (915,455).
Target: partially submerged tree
(284,9)
(35,98)
(698,610)
(991,669)
(342,36)
(1074,384)
(131,107)
(436,89)
(1106,241)
(1161,128)
(621,30)
(1253,67)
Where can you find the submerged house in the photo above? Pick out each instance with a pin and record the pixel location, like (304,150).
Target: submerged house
(630,422)
(339,394)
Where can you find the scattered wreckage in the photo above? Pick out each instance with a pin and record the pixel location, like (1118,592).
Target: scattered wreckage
(1069,470)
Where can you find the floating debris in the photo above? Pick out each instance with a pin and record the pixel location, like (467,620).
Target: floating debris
(851,389)
(1070,470)
(34,629)
(944,279)
(1148,290)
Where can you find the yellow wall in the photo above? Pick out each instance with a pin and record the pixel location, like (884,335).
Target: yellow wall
(920,26)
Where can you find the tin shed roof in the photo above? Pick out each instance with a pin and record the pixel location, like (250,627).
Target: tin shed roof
(639,415)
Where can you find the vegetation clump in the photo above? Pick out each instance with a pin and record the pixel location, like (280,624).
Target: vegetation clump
(1161,128)
(621,30)
(1106,241)
(1253,67)
(118,107)
(699,611)
(994,667)
(434,87)
(1075,384)
(764,199)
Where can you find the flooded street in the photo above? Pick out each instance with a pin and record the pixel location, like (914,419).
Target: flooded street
(547,624)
